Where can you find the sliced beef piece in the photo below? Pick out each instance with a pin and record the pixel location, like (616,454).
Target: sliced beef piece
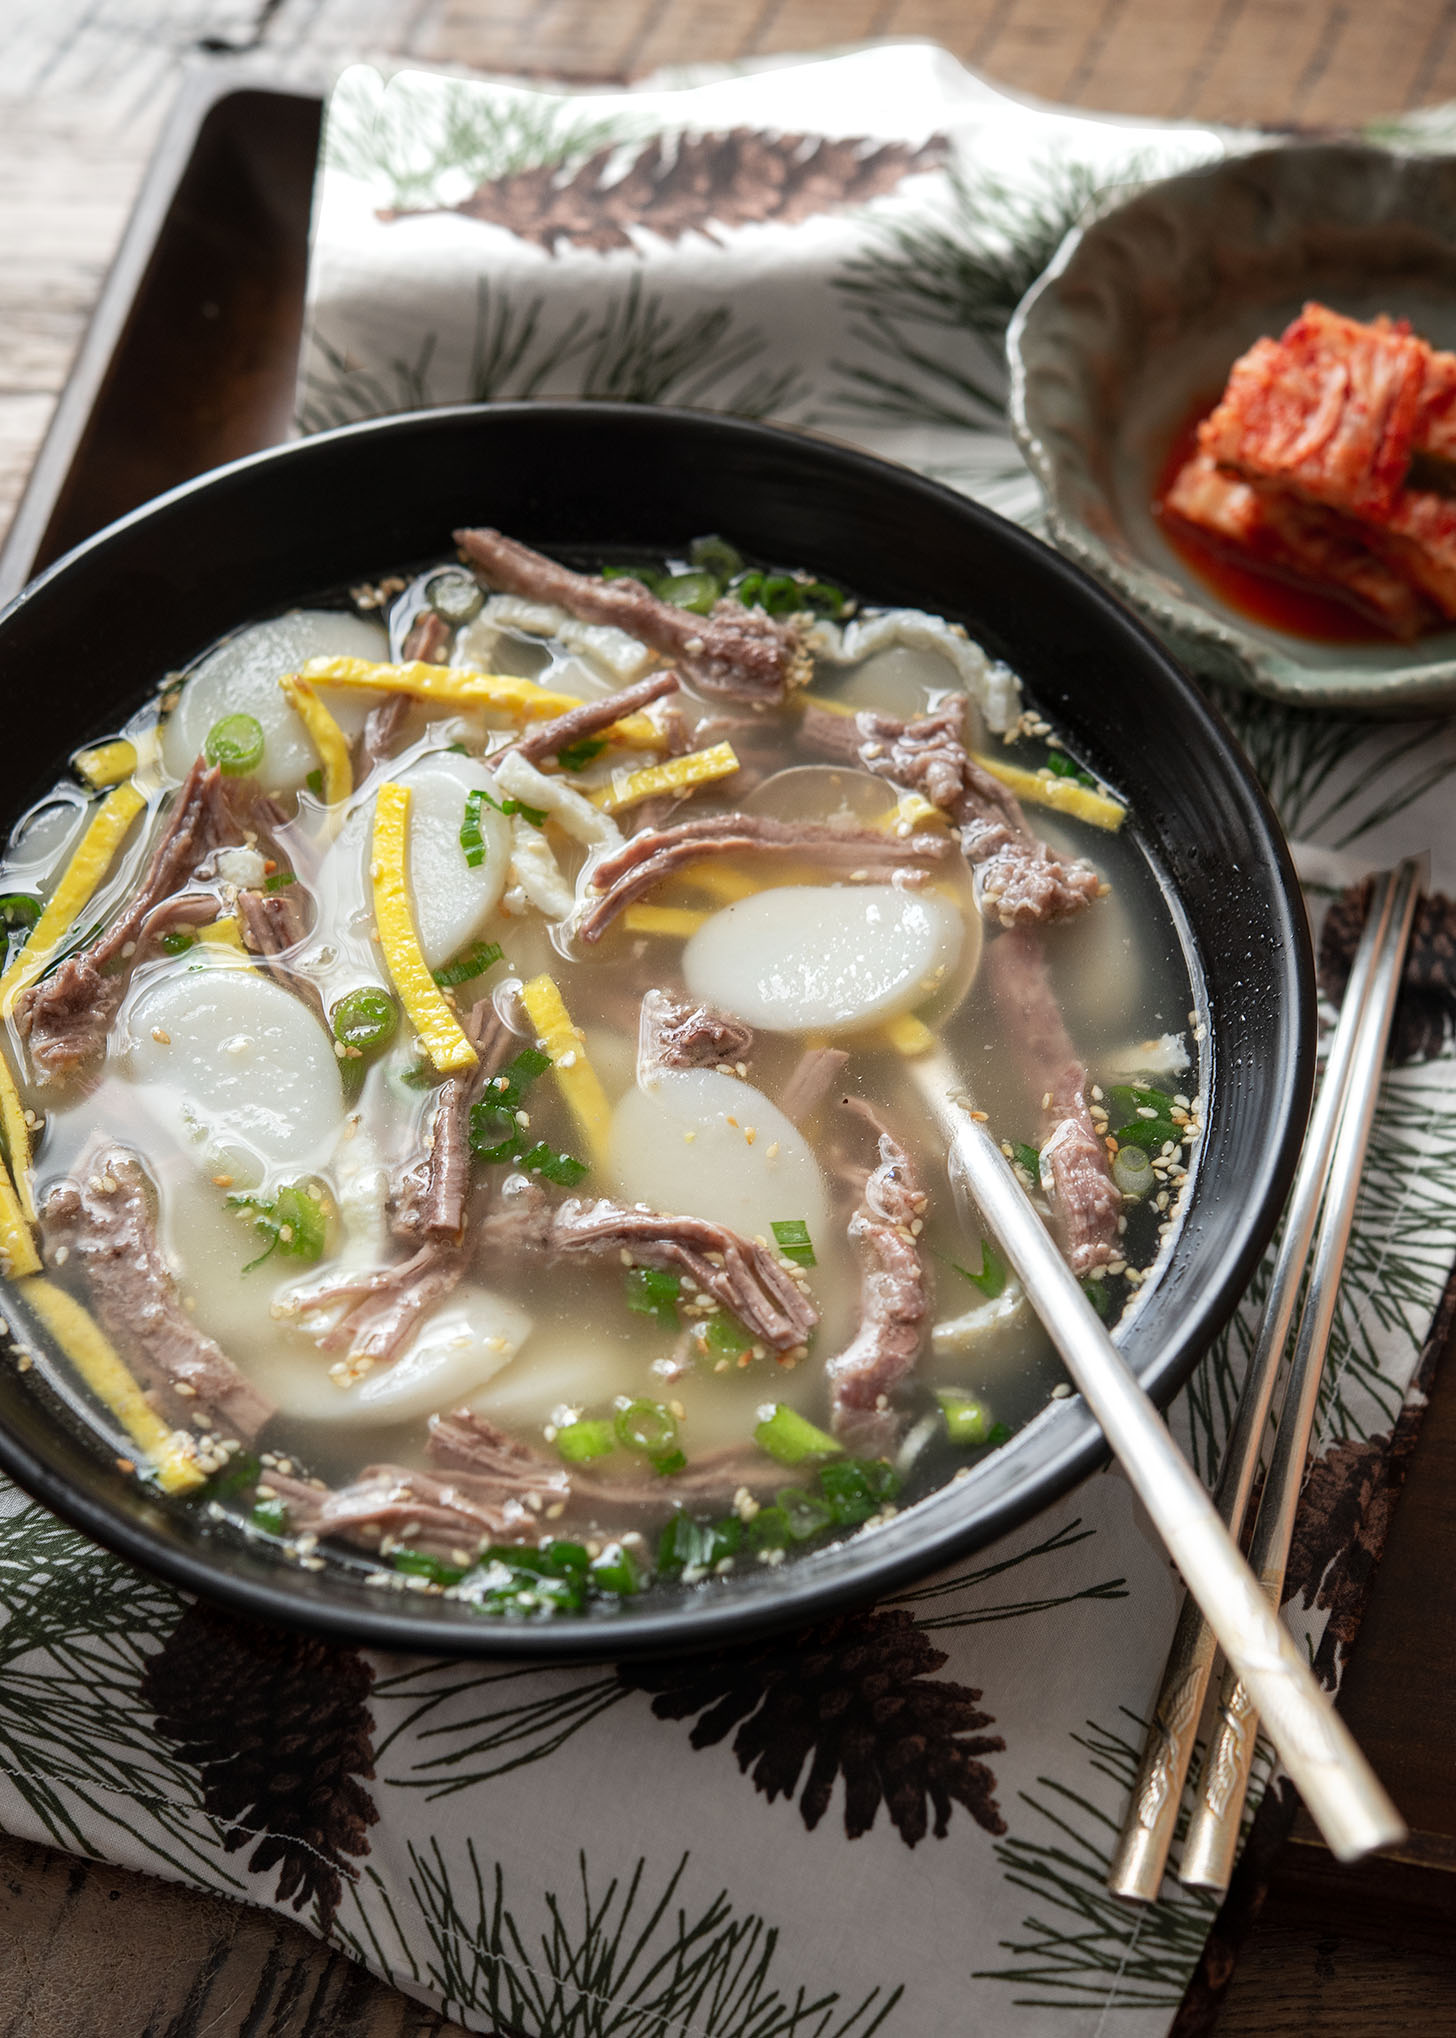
(428,640)
(428,1196)
(100,1223)
(578,724)
(653,856)
(67,1015)
(273,925)
(814,1078)
(446,1515)
(383,727)
(894,1302)
(386,1305)
(1018,879)
(739,653)
(1086,1202)
(747,1279)
(674,1034)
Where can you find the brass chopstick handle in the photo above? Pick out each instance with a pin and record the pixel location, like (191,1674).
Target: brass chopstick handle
(1213,1830)
(1139,1861)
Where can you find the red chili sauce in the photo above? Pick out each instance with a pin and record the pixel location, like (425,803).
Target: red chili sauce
(1263,596)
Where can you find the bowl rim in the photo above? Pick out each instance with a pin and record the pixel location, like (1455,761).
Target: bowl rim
(1217,643)
(802,1592)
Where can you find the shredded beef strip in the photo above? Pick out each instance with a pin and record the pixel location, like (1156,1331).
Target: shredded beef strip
(674,1034)
(448,1515)
(273,924)
(894,1301)
(67,1015)
(428,640)
(740,1276)
(653,855)
(101,1222)
(577,724)
(1018,879)
(1086,1202)
(428,1197)
(814,1077)
(383,726)
(387,1304)
(739,653)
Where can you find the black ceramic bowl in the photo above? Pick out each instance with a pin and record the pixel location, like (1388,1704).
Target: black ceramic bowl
(86,642)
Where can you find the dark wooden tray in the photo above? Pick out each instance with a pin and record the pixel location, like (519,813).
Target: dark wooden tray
(190,356)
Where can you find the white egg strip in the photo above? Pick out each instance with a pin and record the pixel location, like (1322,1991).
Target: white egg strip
(620,657)
(241,678)
(580,819)
(960,1334)
(993,687)
(709,1144)
(535,869)
(231,1059)
(810,958)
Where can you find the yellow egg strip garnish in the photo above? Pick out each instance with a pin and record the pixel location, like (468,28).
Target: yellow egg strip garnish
(81,1338)
(818,700)
(224,933)
(679,920)
(1045,789)
(449,686)
(17,1244)
(721,881)
(675,774)
(107,764)
(440,1032)
(325,735)
(85,871)
(907,1035)
(17,1138)
(566,1044)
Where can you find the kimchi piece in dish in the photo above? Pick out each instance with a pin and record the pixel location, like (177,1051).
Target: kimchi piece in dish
(1328,462)
(458,1093)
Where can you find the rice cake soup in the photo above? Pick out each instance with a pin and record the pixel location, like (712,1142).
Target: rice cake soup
(460,1098)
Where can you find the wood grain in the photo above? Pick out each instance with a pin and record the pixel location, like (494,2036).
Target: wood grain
(92,1952)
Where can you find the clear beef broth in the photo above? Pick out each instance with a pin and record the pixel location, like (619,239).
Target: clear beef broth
(281,1179)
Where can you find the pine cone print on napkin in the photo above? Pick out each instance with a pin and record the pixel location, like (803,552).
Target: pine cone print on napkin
(853,1696)
(279,1727)
(1344,1518)
(1426,1013)
(695,184)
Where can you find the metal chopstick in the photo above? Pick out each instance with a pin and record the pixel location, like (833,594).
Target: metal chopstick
(1338,1785)
(1157,1791)
(1213,1831)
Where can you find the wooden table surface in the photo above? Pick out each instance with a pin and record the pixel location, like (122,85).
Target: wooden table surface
(92,1952)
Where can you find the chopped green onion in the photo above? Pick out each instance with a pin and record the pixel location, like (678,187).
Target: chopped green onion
(992,1278)
(822,598)
(715,555)
(723,1334)
(420,1564)
(176,942)
(420,1075)
(1132,1170)
(235,745)
(770,1529)
(518,1075)
(294,1222)
(564,1169)
(1027,1157)
(577,756)
(653,1292)
(1151,1134)
(791,1236)
(471,839)
(792,1438)
(239,1475)
(18,912)
(695,592)
(780,595)
(455,597)
(279,881)
(648,1427)
(967,1421)
(856,1488)
(494,1133)
(271,1516)
(805,1513)
(747,587)
(315,782)
(616,1571)
(1061,766)
(651,577)
(465,968)
(1099,1295)
(364,1019)
(999,1435)
(581,1441)
(685,1544)
(535,815)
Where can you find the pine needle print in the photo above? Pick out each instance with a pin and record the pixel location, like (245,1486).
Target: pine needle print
(78,1631)
(1426,1010)
(695,184)
(1083,1948)
(855,1697)
(278,1728)
(613,1959)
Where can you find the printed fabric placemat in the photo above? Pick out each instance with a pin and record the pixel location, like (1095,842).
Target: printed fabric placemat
(906,1812)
